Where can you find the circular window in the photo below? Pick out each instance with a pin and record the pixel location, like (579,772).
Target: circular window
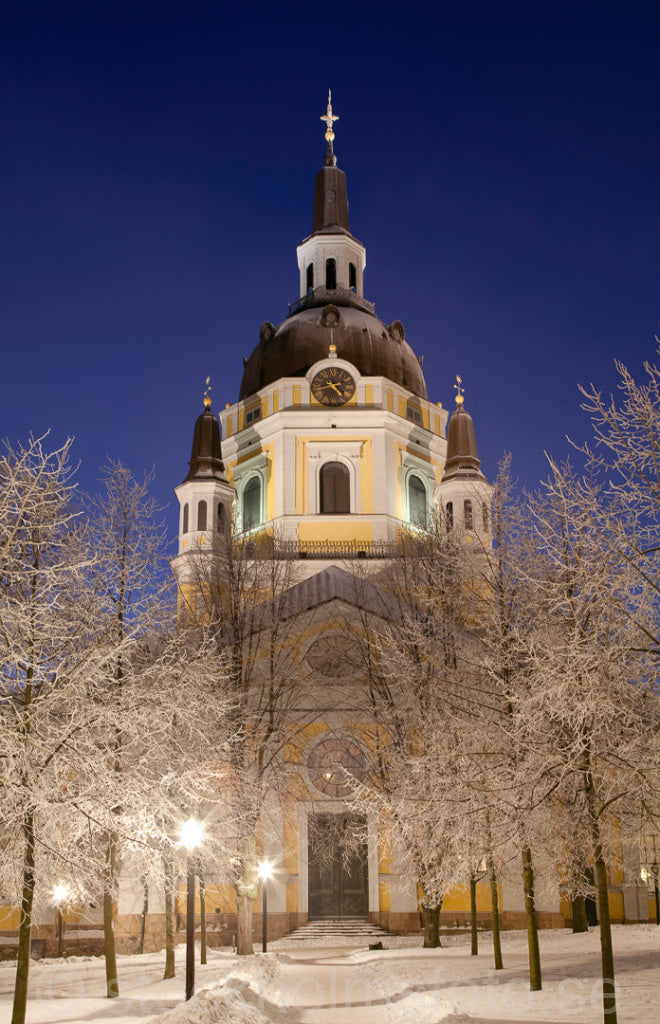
(335,655)
(332,763)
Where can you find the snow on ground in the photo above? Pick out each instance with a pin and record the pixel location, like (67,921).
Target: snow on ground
(297,983)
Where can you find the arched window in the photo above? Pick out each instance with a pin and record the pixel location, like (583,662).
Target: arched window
(335,488)
(485,518)
(416,501)
(252,503)
(467,515)
(221,517)
(185,518)
(449,512)
(352,277)
(201,515)
(310,277)
(330,274)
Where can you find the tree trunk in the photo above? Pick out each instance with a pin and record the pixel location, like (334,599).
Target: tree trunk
(202,915)
(600,868)
(579,914)
(244,901)
(111,980)
(606,951)
(25,927)
(143,922)
(535,984)
(473,915)
(494,902)
(169,917)
(432,926)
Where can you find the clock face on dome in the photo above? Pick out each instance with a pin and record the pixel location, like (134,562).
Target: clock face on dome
(333,386)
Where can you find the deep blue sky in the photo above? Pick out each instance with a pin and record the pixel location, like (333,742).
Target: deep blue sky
(157,174)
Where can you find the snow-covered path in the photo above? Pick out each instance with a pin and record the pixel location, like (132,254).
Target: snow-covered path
(294,985)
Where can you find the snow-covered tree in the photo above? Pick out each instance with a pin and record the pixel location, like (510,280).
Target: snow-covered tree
(590,715)
(625,457)
(52,655)
(245,595)
(424,696)
(162,704)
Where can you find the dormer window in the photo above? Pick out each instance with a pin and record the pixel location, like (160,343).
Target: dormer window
(331,274)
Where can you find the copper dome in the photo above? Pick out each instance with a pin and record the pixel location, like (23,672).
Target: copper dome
(290,349)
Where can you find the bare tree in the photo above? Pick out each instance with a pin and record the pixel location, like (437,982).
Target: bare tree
(52,653)
(591,712)
(245,594)
(423,696)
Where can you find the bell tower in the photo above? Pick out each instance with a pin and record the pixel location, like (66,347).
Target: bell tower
(464,494)
(205,497)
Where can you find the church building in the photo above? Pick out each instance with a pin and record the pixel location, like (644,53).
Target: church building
(333,448)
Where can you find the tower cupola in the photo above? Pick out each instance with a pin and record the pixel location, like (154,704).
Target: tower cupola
(464,493)
(206,456)
(330,259)
(331,308)
(205,497)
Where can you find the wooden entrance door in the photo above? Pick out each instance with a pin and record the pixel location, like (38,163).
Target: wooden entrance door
(337,867)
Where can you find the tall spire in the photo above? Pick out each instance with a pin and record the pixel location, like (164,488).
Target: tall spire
(330,118)
(330,196)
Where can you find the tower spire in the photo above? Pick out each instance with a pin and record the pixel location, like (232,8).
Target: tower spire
(462,460)
(329,118)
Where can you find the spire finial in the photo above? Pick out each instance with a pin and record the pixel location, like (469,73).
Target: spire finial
(207,394)
(329,119)
(459,389)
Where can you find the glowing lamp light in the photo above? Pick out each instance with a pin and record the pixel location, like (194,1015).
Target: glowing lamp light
(192,834)
(644,873)
(265,870)
(60,893)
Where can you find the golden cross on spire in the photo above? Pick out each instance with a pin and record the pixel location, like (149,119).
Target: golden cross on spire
(207,394)
(459,389)
(329,119)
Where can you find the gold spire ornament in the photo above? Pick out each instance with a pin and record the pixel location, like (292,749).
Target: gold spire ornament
(459,389)
(329,119)
(207,394)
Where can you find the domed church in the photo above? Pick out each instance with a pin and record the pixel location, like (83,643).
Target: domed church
(331,451)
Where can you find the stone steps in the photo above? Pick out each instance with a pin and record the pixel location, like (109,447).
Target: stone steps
(339,928)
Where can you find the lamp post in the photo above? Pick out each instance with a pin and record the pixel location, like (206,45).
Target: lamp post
(192,834)
(652,868)
(60,894)
(265,872)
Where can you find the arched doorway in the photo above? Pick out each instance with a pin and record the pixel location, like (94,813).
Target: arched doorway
(338,873)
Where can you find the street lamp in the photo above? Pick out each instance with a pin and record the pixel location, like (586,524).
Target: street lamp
(192,834)
(265,872)
(60,895)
